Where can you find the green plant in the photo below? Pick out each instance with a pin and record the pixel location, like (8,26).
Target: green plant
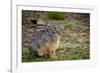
(56,15)
(71,24)
(64,52)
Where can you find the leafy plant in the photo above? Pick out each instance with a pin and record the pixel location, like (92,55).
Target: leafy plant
(71,24)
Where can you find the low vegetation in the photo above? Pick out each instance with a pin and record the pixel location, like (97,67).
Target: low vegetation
(55,16)
(71,24)
(64,52)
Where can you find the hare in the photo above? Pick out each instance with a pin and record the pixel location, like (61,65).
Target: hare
(45,42)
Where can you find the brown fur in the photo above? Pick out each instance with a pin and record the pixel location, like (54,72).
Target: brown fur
(50,48)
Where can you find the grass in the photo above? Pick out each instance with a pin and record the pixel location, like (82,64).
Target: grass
(71,24)
(64,52)
(55,16)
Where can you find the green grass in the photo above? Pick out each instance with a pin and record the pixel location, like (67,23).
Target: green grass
(71,24)
(64,52)
(55,16)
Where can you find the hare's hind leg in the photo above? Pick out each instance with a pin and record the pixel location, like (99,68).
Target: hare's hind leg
(33,53)
(43,52)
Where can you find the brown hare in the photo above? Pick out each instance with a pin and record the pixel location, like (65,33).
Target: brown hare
(45,41)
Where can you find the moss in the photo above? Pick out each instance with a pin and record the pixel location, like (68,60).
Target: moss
(55,16)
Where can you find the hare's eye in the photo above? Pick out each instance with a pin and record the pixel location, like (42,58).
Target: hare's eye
(48,30)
